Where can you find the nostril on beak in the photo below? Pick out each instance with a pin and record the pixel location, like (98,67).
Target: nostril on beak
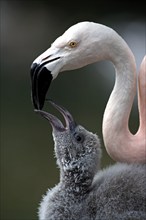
(45,58)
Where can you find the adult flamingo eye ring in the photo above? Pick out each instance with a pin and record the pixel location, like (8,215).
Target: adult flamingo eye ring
(95,42)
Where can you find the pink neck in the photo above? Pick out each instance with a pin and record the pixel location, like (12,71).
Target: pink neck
(119,142)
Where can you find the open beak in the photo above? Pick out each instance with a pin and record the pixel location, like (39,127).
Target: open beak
(55,122)
(43,70)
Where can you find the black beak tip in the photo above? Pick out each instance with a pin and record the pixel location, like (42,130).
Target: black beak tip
(41,79)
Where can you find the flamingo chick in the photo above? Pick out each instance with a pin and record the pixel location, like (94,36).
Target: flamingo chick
(85,192)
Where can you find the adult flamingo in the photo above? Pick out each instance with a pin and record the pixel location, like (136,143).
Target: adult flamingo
(85,43)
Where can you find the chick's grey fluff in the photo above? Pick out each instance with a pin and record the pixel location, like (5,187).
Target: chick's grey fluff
(85,192)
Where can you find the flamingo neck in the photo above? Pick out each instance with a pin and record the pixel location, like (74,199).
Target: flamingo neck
(119,142)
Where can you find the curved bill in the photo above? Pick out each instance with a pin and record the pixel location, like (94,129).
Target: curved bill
(55,122)
(70,123)
(41,78)
(40,81)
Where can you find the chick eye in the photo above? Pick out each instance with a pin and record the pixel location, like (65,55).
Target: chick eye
(72,44)
(79,138)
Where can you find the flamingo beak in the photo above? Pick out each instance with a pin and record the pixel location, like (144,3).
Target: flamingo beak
(40,81)
(44,69)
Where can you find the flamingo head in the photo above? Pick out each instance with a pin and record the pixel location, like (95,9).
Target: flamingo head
(73,50)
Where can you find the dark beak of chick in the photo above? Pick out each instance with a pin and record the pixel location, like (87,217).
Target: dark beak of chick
(55,122)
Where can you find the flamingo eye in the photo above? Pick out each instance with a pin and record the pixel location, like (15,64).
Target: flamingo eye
(72,44)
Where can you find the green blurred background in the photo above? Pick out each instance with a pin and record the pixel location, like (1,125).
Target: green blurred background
(28,166)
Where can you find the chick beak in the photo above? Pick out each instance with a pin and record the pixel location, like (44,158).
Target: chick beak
(55,122)
(70,122)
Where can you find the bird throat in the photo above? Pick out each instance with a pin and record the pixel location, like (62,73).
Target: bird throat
(77,181)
